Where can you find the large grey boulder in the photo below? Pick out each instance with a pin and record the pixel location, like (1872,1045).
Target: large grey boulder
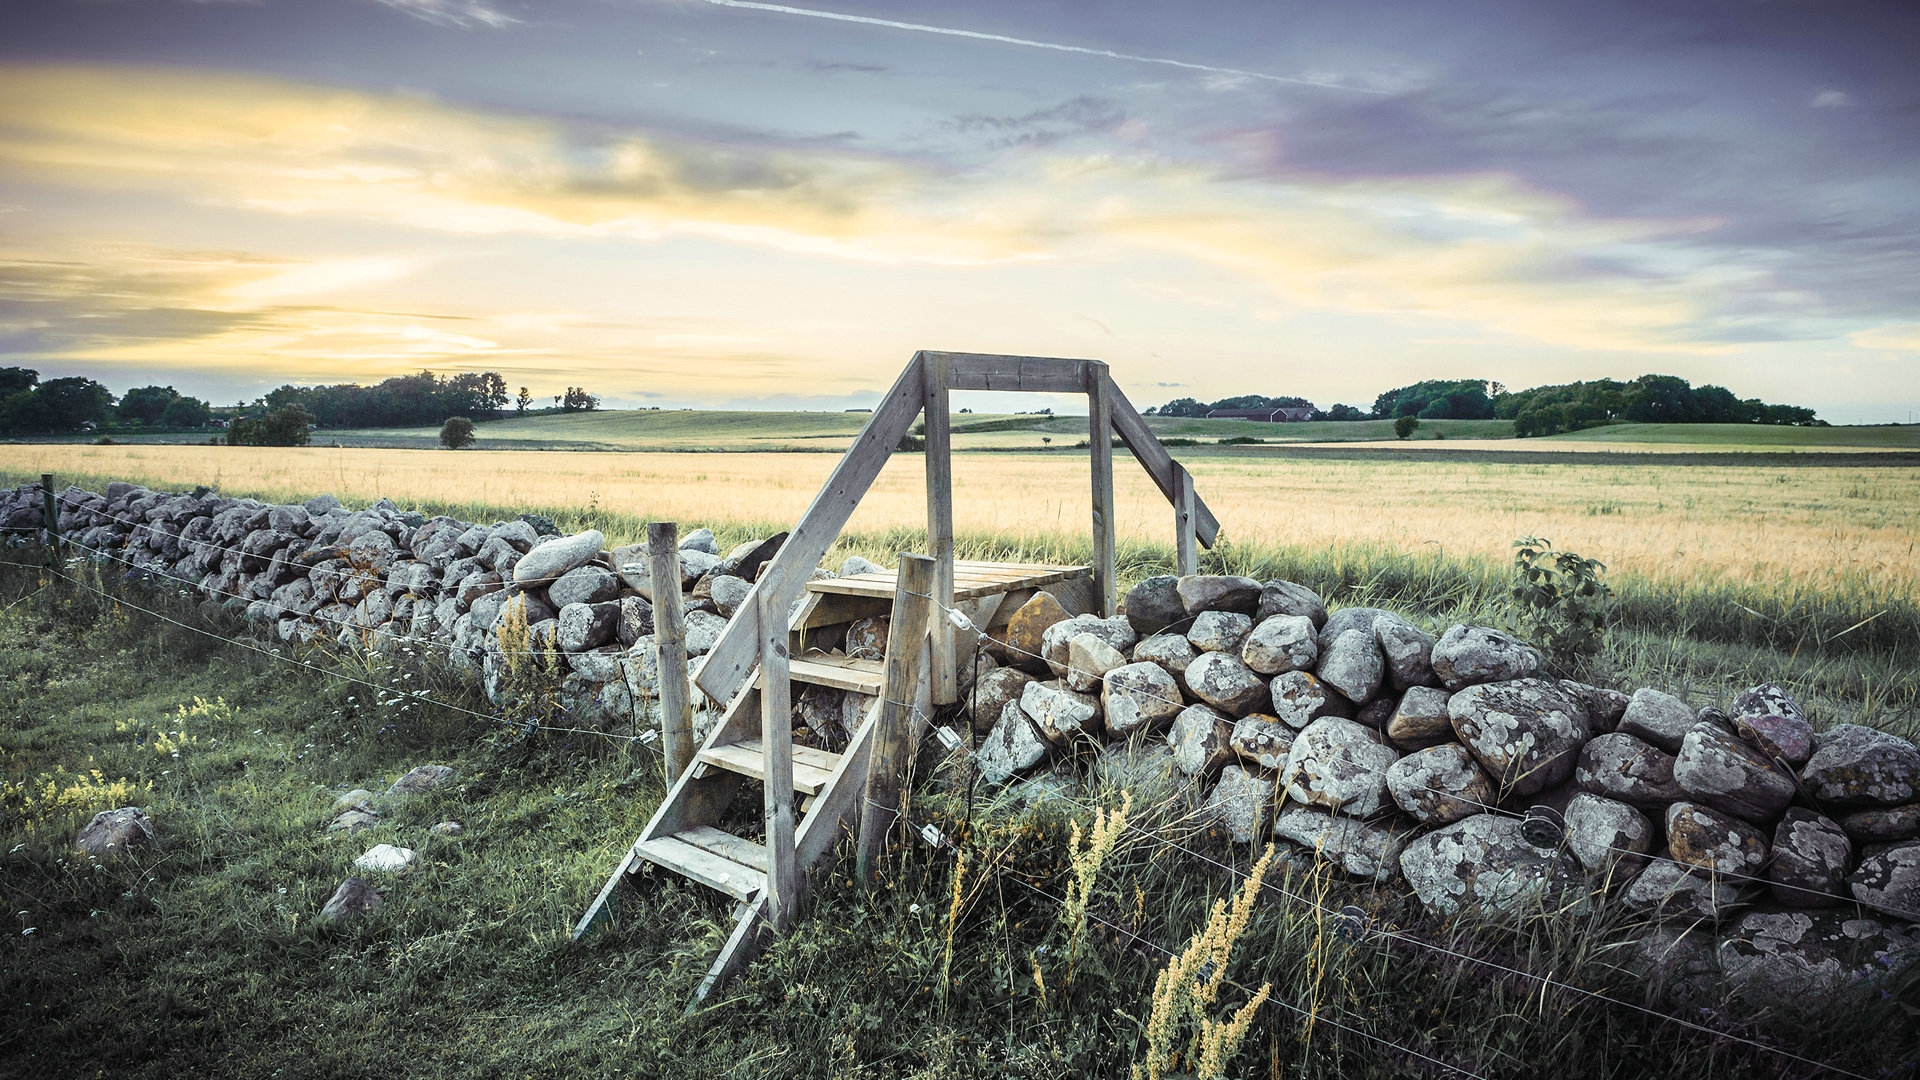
(352,899)
(1715,768)
(1784,738)
(1783,955)
(1012,747)
(1280,643)
(701,540)
(1420,719)
(1622,767)
(1222,681)
(1338,764)
(1883,825)
(1057,639)
(1154,606)
(1657,717)
(1610,838)
(728,593)
(703,630)
(1767,699)
(1088,660)
(1172,652)
(1239,802)
(1862,766)
(1219,631)
(580,627)
(552,558)
(1365,849)
(1060,714)
(1604,707)
(1811,855)
(1262,742)
(1526,733)
(1138,697)
(1288,598)
(1352,665)
(422,779)
(1298,699)
(1715,843)
(1202,741)
(1669,890)
(1407,649)
(989,696)
(1465,655)
(1440,785)
(1888,880)
(1218,592)
(112,833)
(1483,863)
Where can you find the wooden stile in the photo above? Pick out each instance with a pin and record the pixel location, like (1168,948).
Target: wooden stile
(937,369)
(892,743)
(1100,447)
(776,738)
(670,647)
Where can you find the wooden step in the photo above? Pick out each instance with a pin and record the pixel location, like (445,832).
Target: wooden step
(812,766)
(971,579)
(703,866)
(839,672)
(726,845)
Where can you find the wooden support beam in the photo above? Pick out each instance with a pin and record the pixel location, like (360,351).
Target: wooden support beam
(776,740)
(893,734)
(1029,374)
(1153,457)
(1100,447)
(782,578)
(670,647)
(939,446)
(1186,560)
(50,510)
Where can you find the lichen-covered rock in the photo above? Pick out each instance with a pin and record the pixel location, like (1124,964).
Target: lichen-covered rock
(1338,764)
(1408,651)
(1262,742)
(1526,733)
(1280,643)
(1061,714)
(989,695)
(111,833)
(727,593)
(1154,606)
(1780,737)
(1862,766)
(1026,633)
(1352,666)
(1610,838)
(1483,863)
(1888,880)
(1604,707)
(1219,631)
(1622,767)
(422,779)
(387,859)
(1440,785)
(1718,769)
(581,627)
(353,898)
(589,584)
(1088,661)
(1466,655)
(1172,652)
(703,630)
(1811,855)
(1138,697)
(1202,741)
(1767,699)
(1420,719)
(1365,849)
(1715,843)
(1239,802)
(1668,890)
(1222,681)
(552,558)
(1012,747)
(1883,825)
(1657,717)
(1299,698)
(1219,592)
(1288,598)
(1057,641)
(1783,954)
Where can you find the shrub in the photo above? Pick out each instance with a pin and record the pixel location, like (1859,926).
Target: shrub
(1405,426)
(456,433)
(1559,599)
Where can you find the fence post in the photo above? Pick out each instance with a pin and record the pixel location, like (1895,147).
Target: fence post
(892,745)
(776,744)
(670,647)
(1186,556)
(50,511)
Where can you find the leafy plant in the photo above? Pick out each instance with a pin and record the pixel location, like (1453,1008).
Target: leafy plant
(1559,599)
(1405,426)
(456,433)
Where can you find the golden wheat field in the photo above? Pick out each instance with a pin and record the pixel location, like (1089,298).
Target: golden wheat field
(1829,529)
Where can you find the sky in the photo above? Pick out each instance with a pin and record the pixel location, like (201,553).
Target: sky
(742,204)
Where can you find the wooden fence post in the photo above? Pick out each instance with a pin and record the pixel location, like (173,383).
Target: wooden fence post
(776,743)
(939,462)
(892,743)
(670,647)
(50,510)
(1186,556)
(1100,442)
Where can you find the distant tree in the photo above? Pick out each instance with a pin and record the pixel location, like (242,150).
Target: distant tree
(521,402)
(15,380)
(147,404)
(285,426)
(1405,426)
(186,412)
(56,406)
(576,399)
(456,433)
(1344,412)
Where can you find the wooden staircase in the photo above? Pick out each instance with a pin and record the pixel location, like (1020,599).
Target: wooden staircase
(764,651)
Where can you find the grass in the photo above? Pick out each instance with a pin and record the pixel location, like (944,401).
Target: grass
(205,956)
(1748,436)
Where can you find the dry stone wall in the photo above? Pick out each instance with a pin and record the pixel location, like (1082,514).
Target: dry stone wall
(1447,762)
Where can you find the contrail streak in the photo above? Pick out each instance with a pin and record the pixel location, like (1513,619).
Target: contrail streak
(1002,39)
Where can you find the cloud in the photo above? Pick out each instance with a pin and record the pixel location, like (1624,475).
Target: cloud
(463,14)
(1831,99)
(1897,337)
(1044,127)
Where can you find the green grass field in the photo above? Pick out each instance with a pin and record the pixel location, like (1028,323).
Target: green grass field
(1748,436)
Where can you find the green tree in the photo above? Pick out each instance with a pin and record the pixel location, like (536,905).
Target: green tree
(285,426)
(1345,412)
(1405,426)
(57,405)
(147,404)
(521,402)
(16,380)
(576,399)
(456,433)
(186,412)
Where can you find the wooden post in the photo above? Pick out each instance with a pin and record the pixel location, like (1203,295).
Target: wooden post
(776,743)
(1186,557)
(892,740)
(670,647)
(50,510)
(1100,442)
(946,681)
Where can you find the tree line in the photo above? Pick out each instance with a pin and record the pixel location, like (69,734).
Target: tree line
(1543,410)
(60,406)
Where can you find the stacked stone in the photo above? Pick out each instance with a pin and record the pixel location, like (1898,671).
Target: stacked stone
(381,577)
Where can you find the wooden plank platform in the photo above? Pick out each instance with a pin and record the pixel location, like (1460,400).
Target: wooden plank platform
(703,866)
(812,766)
(726,845)
(839,672)
(971,580)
